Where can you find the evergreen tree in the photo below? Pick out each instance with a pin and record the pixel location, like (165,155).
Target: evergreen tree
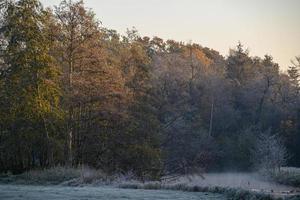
(239,65)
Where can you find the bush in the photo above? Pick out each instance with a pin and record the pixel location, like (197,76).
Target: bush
(54,175)
(90,175)
(269,153)
(287,176)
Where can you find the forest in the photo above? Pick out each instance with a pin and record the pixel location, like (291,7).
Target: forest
(74,93)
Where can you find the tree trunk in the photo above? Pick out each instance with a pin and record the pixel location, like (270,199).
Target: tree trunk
(211,117)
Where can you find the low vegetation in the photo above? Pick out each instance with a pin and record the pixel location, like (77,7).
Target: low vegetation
(54,175)
(287,176)
(231,193)
(66,176)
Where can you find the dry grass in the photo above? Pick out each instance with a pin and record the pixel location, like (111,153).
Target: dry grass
(235,185)
(233,194)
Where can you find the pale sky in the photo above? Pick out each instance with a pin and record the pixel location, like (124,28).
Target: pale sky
(264,26)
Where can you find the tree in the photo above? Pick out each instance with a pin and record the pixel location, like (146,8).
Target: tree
(268,76)
(239,65)
(269,153)
(77,26)
(30,103)
(95,86)
(76,93)
(143,131)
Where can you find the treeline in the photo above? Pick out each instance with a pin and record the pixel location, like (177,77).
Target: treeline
(75,93)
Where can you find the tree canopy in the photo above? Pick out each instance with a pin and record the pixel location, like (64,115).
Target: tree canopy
(73,92)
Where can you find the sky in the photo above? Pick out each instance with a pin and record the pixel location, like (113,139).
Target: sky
(263,26)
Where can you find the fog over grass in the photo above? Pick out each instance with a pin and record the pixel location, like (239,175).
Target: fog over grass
(248,181)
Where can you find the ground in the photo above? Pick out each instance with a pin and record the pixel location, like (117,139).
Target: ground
(18,192)
(61,183)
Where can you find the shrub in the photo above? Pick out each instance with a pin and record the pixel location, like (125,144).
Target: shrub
(90,175)
(49,176)
(287,176)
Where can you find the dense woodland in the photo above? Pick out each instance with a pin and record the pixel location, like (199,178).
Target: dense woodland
(74,93)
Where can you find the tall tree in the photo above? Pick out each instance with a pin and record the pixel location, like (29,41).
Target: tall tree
(31,95)
(77,27)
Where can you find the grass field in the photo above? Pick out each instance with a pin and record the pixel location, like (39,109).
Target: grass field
(52,182)
(17,192)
